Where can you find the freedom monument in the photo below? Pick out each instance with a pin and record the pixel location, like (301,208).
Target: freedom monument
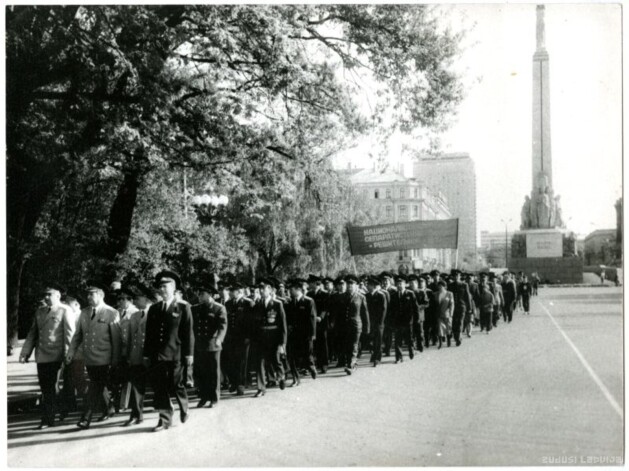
(543,244)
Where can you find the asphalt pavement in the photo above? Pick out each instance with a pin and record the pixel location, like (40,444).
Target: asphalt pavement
(545,389)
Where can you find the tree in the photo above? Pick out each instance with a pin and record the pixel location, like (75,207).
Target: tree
(127,91)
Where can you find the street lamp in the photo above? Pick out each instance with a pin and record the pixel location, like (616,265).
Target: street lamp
(506,241)
(207,206)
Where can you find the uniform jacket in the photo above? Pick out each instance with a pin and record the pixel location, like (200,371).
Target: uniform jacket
(169,332)
(124,326)
(271,321)
(389,321)
(462,297)
(239,319)
(496,290)
(357,313)
(320,298)
(50,334)
(524,289)
(210,326)
(377,306)
(301,318)
(100,338)
(135,335)
(486,300)
(403,308)
(509,291)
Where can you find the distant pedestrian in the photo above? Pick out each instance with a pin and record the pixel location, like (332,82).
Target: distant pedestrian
(525,294)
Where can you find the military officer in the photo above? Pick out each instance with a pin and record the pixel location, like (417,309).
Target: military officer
(418,287)
(74,375)
(119,374)
(356,322)
(301,319)
(462,304)
(133,351)
(168,346)
(525,293)
(210,327)
(336,310)
(98,334)
(510,293)
(320,298)
(387,336)
(50,336)
(377,306)
(270,335)
(403,309)
(238,338)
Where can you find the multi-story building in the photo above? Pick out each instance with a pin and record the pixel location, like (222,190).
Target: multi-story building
(454,175)
(600,247)
(492,246)
(391,197)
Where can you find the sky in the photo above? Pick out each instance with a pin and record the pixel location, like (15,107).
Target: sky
(494,122)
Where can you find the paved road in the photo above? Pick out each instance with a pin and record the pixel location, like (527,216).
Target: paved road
(527,394)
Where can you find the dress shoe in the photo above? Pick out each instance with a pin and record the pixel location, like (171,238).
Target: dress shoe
(295,383)
(138,421)
(458,342)
(282,384)
(324,369)
(212,405)
(201,403)
(83,424)
(260,393)
(270,384)
(44,425)
(420,347)
(63,415)
(232,389)
(375,363)
(184,416)
(313,372)
(103,418)
(131,421)
(348,370)
(160,426)
(240,391)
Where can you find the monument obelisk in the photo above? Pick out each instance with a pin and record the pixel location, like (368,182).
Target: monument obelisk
(542,157)
(543,245)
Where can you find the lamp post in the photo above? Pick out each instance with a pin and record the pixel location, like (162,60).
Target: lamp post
(207,206)
(506,241)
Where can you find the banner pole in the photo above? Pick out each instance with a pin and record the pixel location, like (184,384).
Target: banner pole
(456,259)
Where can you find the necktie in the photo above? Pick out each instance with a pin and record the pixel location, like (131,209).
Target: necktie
(142,315)
(124,313)
(48,311)
(93,314)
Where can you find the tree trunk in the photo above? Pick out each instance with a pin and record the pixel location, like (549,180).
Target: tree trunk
(121,216)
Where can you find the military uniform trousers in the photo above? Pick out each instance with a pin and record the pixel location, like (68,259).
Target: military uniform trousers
(79,377)
(47,375)
(97,394)
(118,377)
(236,353)
(526,302)
(300,354)
(418,333)
(508,310)
(376,343)
(485,319)
(350,347)
(403,334)
(268,357)
(387,339)
(167,380)
(431,329)
(67,395)
(207,372)
(321,348)
(457,320)
(137,378)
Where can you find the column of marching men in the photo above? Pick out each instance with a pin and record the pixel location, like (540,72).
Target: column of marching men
(108,356)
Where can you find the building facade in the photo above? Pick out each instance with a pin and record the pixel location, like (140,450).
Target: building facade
(454,176)
(600,247)
(492,246)
(391,197)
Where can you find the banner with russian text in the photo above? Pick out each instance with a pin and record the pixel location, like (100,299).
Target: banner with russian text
(435,234)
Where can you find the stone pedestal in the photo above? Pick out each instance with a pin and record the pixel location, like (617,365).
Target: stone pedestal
(548,252)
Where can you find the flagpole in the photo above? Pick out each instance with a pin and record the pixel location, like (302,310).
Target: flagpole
(456,259)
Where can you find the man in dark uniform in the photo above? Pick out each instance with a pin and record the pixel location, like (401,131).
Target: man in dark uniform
(270,336)
(168,347)
(403,309)
(462,304)
(525,294)
(301,319)
(509,292)
(418,287)
(336,310)
(377,307)
(355,322)
(238,338)
(387,335)
(320,298)
(210,327)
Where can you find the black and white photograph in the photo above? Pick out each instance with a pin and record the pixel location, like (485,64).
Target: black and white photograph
(262,235)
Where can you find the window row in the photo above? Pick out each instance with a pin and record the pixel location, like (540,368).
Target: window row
(401,193)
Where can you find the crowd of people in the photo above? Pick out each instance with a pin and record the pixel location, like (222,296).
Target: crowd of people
(85,348)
